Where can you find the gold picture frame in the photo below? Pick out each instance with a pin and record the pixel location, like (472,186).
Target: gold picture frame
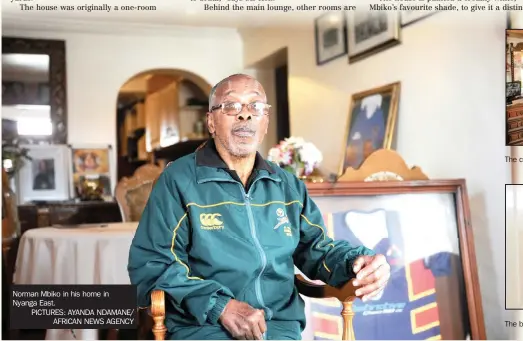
(356,147)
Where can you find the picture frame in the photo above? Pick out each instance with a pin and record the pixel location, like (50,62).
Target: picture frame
(411,17)
(423,228)
(330,36)
(371,32)
(371,124)
(45,177)
(92,161)
(513,240)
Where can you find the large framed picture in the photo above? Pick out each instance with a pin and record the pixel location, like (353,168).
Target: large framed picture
(46,176)
(370,32)
(370,125)
(423,228)
(330,33)
(91,161)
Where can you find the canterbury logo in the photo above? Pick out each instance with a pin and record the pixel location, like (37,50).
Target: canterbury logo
(210,221)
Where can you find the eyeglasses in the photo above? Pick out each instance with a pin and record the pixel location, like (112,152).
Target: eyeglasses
(234,108)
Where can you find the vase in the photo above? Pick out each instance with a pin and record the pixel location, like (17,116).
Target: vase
(90,188)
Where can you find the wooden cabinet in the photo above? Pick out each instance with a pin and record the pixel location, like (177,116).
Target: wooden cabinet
(161,112)
(169,119)
(152,121)
(74,213)
(515,124)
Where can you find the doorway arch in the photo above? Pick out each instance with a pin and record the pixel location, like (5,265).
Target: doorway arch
(158,108)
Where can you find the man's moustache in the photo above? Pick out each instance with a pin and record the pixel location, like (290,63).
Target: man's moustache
(244,129)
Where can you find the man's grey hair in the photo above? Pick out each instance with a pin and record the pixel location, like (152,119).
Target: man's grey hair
(214,88)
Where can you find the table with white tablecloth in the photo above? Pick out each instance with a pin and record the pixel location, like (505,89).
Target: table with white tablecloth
(84,254)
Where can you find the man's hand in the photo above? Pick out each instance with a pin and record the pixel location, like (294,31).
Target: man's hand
(243,321)
(372,274)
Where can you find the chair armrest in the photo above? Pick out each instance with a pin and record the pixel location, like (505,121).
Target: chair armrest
(345,293)
(158,314)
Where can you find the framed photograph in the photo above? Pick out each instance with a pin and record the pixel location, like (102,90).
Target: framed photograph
(410,17)
(423,229)
(371,32)
(370,125)
(330,31)
(513,243)
(92,162)
(46,176)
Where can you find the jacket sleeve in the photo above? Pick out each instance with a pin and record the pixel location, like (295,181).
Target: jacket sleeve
(318,256)
(158,258)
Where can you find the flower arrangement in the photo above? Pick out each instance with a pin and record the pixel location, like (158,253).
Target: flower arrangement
(296,155)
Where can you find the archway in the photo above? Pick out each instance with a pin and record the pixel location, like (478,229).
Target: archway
(160,115)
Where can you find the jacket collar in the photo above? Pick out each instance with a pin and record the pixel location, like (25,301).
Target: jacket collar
(210,166)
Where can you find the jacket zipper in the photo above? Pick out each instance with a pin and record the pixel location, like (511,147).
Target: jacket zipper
(257,283)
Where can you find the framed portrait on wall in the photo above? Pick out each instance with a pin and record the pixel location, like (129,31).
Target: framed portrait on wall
(370,125)
(423,229)
(330,35)
(370,32)
(45,177)
(92,162)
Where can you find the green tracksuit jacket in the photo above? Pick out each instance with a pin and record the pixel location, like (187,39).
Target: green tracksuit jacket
(204,238)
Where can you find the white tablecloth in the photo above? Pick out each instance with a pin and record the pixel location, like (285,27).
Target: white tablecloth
(88,254)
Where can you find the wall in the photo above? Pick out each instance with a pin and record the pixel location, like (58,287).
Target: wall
(99,64)
(266,76)
(452,99)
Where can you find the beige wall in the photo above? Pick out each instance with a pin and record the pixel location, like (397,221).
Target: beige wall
(452,99)
(99,64)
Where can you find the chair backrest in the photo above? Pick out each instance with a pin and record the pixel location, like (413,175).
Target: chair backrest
(133,192)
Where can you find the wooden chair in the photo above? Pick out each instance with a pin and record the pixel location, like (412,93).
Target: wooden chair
(346,295)
(132,192)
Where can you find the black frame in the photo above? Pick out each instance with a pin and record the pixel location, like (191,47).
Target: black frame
(57,79)
(317,38)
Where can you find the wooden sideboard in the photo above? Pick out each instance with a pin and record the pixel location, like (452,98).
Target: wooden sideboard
(515,124)
(67,213)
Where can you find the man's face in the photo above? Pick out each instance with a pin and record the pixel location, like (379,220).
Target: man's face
(241,134)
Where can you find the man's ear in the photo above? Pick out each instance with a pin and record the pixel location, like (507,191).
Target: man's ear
(210,123)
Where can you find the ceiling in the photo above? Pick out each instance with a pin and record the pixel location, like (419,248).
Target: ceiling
(25,67)
(168,12)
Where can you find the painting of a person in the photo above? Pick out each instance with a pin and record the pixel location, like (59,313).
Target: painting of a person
(367,129)
(87,162)
(44,178)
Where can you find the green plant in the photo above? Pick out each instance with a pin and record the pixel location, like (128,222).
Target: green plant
(13,157)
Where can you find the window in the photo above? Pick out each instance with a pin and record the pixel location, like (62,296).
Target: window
(34,126)
(31,120)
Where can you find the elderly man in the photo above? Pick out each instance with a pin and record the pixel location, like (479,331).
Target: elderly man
(224,228)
